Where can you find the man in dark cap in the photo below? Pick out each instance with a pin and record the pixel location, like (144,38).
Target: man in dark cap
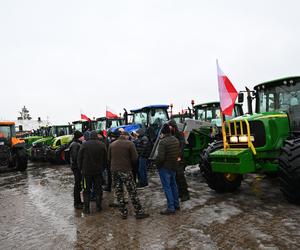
(143,147)
(122,156)
(74,149)
(167,156)
(183,191)
(92,157)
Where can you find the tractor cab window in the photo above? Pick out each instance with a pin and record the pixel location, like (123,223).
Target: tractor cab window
(115,123)
(101,125)
(200,113)
(140,118)
(159,117)
(281,97)
(266,101)
(5,132)
(78,126)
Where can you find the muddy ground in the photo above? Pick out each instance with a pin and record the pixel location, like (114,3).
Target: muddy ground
(37,213)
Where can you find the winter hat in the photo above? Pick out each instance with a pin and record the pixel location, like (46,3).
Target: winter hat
(165,129)
(77,134)
(86,135)
(93,135)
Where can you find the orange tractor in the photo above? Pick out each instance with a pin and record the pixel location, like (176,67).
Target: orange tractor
(12,150)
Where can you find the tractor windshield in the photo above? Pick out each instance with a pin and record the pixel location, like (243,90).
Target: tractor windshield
(78,126)
(59,131)
(277,98)
(101,125)
(158,117)
(5,132)
(212,113)
(140,118)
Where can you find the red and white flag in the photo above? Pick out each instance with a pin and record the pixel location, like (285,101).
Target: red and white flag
(227,93)
(84,117)
(110,113)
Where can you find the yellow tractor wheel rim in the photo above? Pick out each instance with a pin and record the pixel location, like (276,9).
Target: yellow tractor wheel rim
(230,177)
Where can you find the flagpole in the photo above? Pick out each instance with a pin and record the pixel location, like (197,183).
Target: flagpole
(222,118)
(223,130)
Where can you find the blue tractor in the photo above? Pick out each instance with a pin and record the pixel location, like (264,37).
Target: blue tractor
(150,118)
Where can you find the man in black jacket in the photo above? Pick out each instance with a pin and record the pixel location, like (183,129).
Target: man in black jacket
(74,149)
(92,157)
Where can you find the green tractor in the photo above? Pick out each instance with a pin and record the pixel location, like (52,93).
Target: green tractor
(266,141)
(55,152)
(38,134)
(38,151)
(205,128)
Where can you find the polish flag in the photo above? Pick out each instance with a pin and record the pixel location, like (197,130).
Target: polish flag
(84,117)
(110,113)
(227,93)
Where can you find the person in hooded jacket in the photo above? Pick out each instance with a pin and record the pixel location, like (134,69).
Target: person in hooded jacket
(167,163)
(183,191)
(143,147)
(92,157)
(74,149)
(122,156)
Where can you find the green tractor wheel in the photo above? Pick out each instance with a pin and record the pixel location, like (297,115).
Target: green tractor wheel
(220,182)
(289,170)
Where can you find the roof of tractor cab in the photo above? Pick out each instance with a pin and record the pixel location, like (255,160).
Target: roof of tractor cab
(278,82)
(82,121)
(162,106)
(6,123)
(207,104)
(108,118)
(61,125)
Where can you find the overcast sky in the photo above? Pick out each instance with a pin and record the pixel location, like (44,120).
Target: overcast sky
(63,57)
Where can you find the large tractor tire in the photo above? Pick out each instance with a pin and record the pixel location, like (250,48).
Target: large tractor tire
(21,160)
(289,170)
(220,182)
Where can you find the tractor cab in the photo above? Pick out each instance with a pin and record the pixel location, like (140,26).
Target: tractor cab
(12,149)
(83,126)
(7,132)
(60,130)
(280,95)
(210,112)
(105,123)
(151,116)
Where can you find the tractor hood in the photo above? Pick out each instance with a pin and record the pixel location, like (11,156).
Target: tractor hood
(61,140)
(42,141)
(261,116)
(128,128)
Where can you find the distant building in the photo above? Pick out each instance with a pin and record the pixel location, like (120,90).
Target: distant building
(29,125)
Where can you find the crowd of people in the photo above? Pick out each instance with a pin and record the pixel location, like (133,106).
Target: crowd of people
(119,163)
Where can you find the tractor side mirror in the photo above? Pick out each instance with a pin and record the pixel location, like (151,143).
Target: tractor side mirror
(241,97)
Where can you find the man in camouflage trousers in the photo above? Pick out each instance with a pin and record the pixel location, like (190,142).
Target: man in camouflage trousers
(122,156)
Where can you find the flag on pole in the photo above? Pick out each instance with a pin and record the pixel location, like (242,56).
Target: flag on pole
(110,113)
(84,117)
(227,93)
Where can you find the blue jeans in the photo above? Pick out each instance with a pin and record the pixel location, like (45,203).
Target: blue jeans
(168,181)
(143,180)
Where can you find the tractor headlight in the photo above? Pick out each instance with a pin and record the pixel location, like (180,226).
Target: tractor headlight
(233,139)
(244,138)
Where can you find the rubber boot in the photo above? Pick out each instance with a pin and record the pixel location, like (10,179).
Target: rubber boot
(98,203)
(86,203)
